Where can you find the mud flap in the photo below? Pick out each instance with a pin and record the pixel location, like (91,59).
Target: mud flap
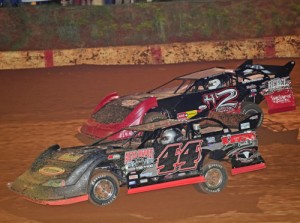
(281,101)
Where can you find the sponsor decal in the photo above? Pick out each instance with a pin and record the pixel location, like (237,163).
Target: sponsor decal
(146,174)
(132,182)
(132,166)
(231,139)
(278,83)
(226,130)
(281,99)
(245,143)
(142,181)
(70,157)
(133,177)
(211,139)
(252,86)
(187,115)
(51,171)
(141,153)
(190,114)
(275,85)
(245,125)
(113,156)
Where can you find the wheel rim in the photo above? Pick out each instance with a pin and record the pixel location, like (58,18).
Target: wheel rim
(213,178)
(103,189)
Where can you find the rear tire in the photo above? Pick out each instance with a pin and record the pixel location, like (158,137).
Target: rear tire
(216,178)
(103,188)
(249,108)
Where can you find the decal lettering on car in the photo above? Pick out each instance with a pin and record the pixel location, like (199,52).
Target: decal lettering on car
(175,158)
(281,99)
(278,83)
(231,139)
(221,100)
(141,153)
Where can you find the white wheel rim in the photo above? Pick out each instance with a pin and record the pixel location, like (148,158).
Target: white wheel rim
(213,178)
(103,189)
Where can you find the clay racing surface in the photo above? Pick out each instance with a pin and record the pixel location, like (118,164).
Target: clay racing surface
(45,106)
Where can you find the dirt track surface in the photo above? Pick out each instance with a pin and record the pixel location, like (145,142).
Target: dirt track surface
(45,106)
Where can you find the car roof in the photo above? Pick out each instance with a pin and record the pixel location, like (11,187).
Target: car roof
(156,125)
(206,73)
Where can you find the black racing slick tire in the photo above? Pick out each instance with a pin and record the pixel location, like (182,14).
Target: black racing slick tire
(215,178)
(153,117)
(103,188)
(249,108)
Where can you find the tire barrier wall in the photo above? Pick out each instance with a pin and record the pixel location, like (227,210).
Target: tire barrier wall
(268,47)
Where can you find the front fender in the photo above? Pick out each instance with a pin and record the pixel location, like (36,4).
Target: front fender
(108,98)
(83,172)
(137,115)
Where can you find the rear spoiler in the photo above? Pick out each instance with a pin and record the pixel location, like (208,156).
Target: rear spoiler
(279,71)
(250,123)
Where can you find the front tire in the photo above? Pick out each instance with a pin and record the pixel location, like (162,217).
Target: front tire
(103,188)
(215,178)
(249,108)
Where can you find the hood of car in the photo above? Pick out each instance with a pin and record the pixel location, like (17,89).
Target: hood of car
(56,167)
(118,109)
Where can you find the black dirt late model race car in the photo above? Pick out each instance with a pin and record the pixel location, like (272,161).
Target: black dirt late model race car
(194,95)
(161,154)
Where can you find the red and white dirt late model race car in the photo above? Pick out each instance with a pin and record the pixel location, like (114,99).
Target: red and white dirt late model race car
(194,95)
(157,155)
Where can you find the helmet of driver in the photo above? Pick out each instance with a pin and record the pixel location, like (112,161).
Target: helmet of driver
(214,84)
(171,136)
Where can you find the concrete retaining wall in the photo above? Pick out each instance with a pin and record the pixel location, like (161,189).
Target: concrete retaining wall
(270,47)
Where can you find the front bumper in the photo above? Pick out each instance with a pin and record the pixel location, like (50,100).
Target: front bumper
(33,190)
(55,202)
